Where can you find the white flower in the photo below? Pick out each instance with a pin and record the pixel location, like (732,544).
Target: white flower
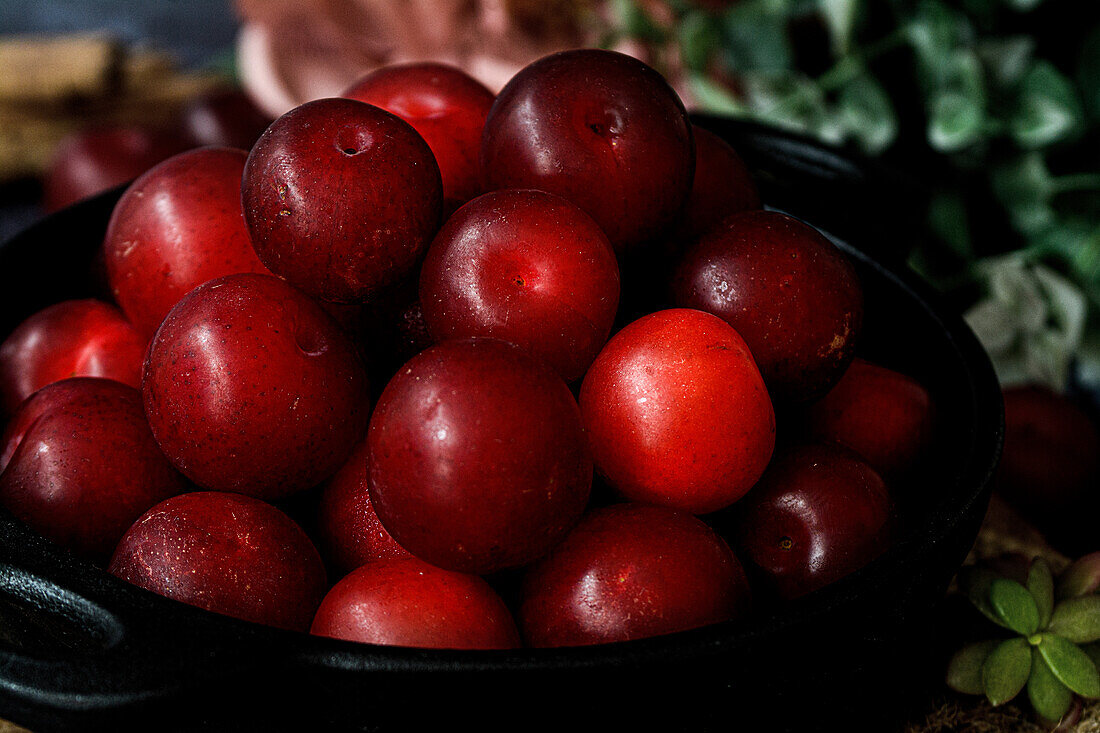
(1031,321)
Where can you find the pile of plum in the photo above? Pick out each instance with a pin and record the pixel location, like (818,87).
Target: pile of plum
(585,325)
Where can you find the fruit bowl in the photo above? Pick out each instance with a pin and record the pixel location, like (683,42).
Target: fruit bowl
(80,648)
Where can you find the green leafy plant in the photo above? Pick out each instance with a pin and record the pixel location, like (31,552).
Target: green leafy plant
(965,92)
(1049,637)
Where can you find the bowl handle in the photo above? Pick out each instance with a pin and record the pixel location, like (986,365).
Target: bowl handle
(80,648)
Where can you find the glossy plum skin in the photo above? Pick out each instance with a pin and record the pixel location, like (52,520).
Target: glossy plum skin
(224,118)
(227,553)
(600,129)
(93,160)
(74,338)
(788,291)
(176,227)
(722,186)
(677,414)
(883,415)
(79,465)
(526,267)
(818,514)
(446,106)
(407,602)
(630,571)
(350,532)
(250,387)
(341,198)
(477,458)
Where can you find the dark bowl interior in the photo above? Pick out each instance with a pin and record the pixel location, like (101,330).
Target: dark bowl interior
(79,647)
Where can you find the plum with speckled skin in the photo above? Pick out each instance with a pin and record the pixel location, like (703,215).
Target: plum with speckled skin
(74,338)
(251,387)
(341,198)
(526,267)
(350,532)
(446,106)
(176,227)
(79,465)
(227,553)
(676,412)
(631,571)
(600,129)
(818,514)
(407,602)
(477,459)
(792,295)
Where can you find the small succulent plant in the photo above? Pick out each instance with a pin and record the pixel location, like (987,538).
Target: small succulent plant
(1049,645)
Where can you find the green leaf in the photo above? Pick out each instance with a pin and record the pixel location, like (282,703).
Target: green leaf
(867,113)
(1084,259)
(1070,665)
(1006,670)
(975,582)
(1050,698)
(959,72)
(756,37)
(1040,583)
(949,219)
(1006,60)
(1025,187)
(1087,362)
(786,99)
(713,97)
(1048,108)
(840,16)
(1032,320)
(1077,619)
(955,96)
(1081,578)
(1024,5)
(636,22)
(955,122)
(1067,308)
(1093,652)
(699,38)
(1024,178)
(1014,605)
(964,671)
(935,30)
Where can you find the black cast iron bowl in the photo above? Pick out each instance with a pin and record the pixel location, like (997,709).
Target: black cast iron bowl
(81,649)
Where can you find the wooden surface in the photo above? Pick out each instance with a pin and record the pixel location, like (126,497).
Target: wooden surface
(51,86)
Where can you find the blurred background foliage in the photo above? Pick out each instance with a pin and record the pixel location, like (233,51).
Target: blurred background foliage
(995,104)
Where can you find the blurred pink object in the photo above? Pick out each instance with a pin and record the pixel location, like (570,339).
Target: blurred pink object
(292,51)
